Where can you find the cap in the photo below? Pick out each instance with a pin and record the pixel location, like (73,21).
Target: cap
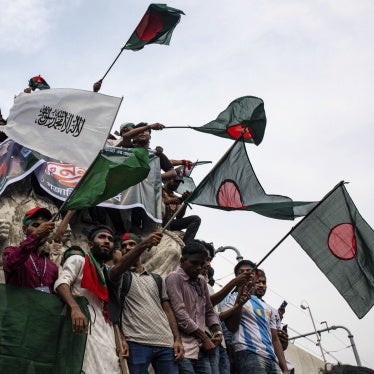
(124,126)
(36,212)
(131,236)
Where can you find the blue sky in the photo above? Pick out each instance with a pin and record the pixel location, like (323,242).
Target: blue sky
(311,62)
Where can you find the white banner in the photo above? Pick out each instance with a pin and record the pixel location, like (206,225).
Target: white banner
(63,123)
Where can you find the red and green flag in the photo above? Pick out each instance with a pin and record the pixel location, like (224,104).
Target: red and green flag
(38,82)
(156,27)
(36,334)
(110,174)
(246,114)
(341,243)
(233,185)
(184,171)
(93,278)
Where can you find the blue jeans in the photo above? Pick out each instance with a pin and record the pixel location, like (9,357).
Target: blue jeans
(213,357)
(249,362)
(199,366)
(224,363)
(161,358)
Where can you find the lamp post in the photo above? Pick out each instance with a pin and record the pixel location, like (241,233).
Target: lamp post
(239,257)
(350,337)
(318,335)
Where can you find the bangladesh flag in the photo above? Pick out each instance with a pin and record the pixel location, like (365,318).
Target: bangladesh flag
(109,175)
(233,185)
(156,27)
(245,113)
(341,243)
(185,171)
(38,82)
(36,334)
(93,278)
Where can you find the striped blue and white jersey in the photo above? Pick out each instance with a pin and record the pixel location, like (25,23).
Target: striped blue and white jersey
(254,333)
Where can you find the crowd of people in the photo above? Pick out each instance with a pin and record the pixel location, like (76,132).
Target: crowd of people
(174,325)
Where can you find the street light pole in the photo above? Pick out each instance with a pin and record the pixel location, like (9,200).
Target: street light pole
(318,335)
(350,336)
(239,257)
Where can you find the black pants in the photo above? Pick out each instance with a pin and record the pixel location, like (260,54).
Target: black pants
(191,224)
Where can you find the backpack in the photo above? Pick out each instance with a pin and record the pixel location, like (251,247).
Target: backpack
(125,285)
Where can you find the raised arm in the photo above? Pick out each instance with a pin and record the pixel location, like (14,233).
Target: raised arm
(232,316)
(138,130)
(217,297)
(132,256)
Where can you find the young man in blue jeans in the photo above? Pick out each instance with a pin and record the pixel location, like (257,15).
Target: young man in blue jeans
(148,322)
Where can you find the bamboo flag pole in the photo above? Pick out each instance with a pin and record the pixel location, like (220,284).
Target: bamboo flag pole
(173,216)
(122,360)
(60,231)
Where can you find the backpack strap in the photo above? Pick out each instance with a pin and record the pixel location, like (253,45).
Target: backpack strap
(158,281)
(123,291)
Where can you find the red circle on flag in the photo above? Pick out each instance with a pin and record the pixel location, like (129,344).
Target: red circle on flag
(235,130)
(149,26)
(228,195)
(342,241)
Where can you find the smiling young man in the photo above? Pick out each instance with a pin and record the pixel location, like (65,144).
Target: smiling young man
(190,300)
(28,265)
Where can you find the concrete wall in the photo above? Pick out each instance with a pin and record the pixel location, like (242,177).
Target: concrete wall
(303,361)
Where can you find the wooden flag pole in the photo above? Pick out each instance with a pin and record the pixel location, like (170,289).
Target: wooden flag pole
(122,360)
(60,231)
(173,216)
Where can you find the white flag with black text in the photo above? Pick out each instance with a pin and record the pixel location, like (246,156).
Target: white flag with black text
(63,123)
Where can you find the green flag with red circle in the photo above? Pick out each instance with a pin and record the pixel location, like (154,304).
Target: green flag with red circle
(233,185)
(244,115)
(341,243)
(156,27)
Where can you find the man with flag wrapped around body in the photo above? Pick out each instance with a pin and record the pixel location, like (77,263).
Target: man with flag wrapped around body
(88,276)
